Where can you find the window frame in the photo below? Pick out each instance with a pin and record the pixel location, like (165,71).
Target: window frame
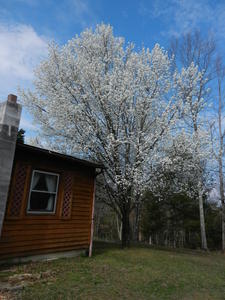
(32,212)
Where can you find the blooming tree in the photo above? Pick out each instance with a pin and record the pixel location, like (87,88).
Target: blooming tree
(194,49)
(192,87)
(218,138)
(100,97)
(180,166)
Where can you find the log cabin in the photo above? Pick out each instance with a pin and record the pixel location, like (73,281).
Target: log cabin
(46,198)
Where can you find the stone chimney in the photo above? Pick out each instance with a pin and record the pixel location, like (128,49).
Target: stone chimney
(10,112)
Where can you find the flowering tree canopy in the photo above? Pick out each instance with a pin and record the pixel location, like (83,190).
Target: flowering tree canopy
(98,96)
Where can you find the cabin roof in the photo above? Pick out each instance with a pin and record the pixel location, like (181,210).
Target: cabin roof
(48,153)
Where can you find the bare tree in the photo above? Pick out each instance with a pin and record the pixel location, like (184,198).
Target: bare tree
(192,47)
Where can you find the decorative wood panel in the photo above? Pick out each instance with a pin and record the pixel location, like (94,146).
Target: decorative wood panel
(67,195)
(18,190)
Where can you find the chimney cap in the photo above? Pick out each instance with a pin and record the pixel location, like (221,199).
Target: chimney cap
(12,98)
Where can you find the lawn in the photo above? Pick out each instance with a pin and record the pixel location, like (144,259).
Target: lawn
(135,273)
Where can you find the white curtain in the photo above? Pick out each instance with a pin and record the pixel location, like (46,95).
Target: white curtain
(50,182)
(50,202)
(51,186)
(36,178)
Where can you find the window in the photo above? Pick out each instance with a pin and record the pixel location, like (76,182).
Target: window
(43,192)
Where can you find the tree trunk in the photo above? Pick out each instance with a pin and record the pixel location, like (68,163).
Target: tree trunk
(222,201)
(220,159)
(223,227)
(119,228)
(201,207)
(202,223)
(156,239)
(125,230)
(137,223)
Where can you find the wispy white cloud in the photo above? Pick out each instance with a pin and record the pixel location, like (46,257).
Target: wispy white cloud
(80,12)
(83,12)
(157,8)
(28,2)
(21,49)
(180,16)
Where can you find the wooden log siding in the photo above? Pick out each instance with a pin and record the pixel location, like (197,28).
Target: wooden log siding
(67,229)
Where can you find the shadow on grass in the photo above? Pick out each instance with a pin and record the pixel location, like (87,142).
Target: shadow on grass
(101,247)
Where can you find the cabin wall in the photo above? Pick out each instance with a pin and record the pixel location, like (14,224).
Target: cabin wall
(25,234)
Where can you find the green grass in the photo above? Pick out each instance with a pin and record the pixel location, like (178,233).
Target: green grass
(135,273)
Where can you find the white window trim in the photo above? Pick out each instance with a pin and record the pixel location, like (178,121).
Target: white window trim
(41,212)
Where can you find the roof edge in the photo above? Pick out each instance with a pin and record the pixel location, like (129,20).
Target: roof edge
(59,155)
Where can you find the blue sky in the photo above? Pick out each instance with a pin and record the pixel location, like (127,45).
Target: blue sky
(27,26)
